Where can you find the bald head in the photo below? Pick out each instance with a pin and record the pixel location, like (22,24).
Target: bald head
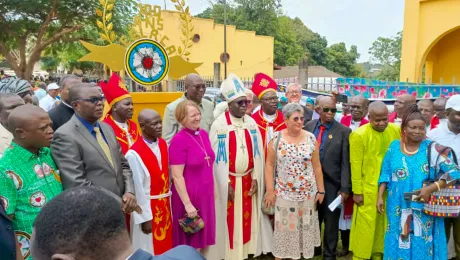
(195,88)
(147,115)
(440,107)
(402,103)
(150,123)
(77,90)
(323,100)
(358,107)
(378,116)
(326,110)
(31,127)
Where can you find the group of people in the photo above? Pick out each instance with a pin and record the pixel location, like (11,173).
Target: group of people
(230,181)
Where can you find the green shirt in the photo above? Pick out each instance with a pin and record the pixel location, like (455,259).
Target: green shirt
(27,182)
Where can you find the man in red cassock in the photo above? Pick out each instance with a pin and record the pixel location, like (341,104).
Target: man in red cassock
(268,118)
(121,111)
(148,159)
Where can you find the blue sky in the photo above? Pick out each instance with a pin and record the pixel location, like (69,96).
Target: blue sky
(355,22)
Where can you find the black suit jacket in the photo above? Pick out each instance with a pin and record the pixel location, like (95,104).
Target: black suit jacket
(7,238)
(60,115)
(336,155)
(308,115)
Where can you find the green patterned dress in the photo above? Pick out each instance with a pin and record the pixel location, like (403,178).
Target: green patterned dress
(27,182)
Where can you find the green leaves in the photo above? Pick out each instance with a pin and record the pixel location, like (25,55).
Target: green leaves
(387,52)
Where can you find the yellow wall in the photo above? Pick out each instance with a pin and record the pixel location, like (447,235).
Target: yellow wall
(153,100)
(249,53)
(426,23)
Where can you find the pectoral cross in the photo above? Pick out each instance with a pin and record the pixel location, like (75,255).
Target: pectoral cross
(207,159)
(242,147)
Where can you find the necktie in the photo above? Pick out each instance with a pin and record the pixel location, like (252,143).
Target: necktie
(103,144)
(320,135)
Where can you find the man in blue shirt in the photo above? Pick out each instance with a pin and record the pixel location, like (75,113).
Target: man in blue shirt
(332,141)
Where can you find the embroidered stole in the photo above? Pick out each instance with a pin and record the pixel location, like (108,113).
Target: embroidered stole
(246,185)
(159,184)
(278,125)
(121,135)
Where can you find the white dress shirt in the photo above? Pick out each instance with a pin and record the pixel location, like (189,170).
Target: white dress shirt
(443,136)
(47,103)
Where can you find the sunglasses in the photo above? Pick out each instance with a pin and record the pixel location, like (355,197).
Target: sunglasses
(243,103)
(327,110)
(296,119)
(92,100)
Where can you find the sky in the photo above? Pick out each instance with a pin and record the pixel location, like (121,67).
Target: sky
(355,22)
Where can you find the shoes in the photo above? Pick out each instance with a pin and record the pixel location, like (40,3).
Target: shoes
(343,253)
(318,251)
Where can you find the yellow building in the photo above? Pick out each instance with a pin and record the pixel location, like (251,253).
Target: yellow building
(249,53)
(431,41)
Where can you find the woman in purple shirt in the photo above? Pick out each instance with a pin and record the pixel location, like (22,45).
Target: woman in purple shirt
(191,160)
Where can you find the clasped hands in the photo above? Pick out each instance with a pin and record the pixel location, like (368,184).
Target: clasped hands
(129,204)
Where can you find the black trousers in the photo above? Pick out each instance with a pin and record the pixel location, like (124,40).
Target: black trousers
(331,221)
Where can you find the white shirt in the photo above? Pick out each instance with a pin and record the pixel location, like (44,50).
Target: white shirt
(47,102)
(5,139)
(354,125)
(398,121)
(156,151)
(270,119)
(445,137)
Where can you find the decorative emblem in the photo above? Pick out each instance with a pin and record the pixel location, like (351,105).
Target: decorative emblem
(330,137)
(39,171)
(401,174)
(255,143)
(264,83)
(37,199)
(16,179)
(46,169)
(24,243)
(4,202)
(238,86)
(425,168)
(230,93)
(221,149)
(146,62)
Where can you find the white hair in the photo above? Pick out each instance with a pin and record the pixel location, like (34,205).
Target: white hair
(293,84)
(290,108)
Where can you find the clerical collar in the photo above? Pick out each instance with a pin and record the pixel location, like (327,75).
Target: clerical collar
(269,118)
(148,141)
(193,132)
(122,125)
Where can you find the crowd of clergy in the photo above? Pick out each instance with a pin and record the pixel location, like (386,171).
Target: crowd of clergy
(263,178)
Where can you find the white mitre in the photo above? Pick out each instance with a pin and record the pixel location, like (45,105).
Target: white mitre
(232,88)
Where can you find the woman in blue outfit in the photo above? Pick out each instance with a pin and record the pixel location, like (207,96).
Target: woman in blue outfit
(412,234)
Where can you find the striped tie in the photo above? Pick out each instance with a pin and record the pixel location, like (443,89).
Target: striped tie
(103,144)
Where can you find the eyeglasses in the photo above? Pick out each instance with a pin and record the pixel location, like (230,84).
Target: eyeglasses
(92,100)
(273,99)
(294,92)
(296,119)
(327,110)
(242,103)
(355,107)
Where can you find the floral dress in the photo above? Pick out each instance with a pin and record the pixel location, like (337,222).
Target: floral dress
(412,234)
(296,229)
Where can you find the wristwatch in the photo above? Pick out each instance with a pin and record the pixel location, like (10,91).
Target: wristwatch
(321,192)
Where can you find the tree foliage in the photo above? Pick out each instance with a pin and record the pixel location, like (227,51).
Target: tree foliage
(342,61)
(387,51)
(293,39)
(29,27)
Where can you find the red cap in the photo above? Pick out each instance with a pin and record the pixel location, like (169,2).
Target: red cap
(263,84)
(114,90)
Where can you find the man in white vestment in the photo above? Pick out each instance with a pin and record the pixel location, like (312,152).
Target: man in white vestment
(241,227)
(148,159)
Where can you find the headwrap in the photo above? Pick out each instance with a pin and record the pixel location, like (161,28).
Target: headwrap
(310,101)
(14,85)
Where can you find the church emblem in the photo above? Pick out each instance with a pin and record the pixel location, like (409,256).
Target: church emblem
(254,141)
(24,243)
(146,62)
(39,171)
(264,83)
(37,199)
(18,183)
(221,149)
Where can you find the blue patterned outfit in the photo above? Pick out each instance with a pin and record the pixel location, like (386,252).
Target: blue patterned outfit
(412,234)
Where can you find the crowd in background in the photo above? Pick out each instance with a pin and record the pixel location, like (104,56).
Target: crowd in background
(249,176)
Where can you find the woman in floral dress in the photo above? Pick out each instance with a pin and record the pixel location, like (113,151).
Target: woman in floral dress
(412,234)
(296,189)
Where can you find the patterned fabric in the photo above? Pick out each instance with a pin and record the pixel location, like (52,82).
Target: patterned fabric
(296,229)
(412,234)
(296,179)
(27,182)
(103,144)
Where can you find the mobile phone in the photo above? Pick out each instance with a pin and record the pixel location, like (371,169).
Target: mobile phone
(341,99)
(410,196)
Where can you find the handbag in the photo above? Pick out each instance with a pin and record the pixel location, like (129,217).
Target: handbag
(191,225)
(444,203)
(271,210)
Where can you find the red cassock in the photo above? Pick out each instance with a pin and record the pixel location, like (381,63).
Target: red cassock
(348,210)
(392,117)
(159,185)
(278,125)
(121,135)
